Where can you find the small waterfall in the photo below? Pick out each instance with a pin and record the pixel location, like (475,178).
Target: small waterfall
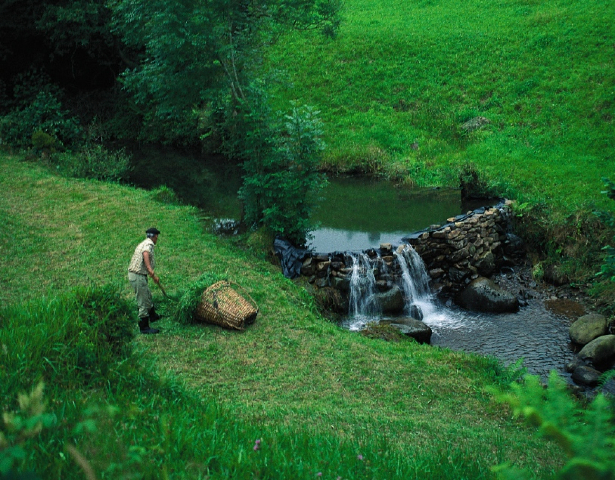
(415,280)
(362,306)
(415,283)
(409,275)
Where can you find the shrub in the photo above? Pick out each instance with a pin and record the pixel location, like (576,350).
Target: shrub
(538,272)
(94,162)
(109,317)
(165,195)
(586,435)
(29,84)
(68,340)
(43,114)
(608,267)
(42,141)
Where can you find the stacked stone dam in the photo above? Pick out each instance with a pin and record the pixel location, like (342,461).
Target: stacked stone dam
(461,250)
(467,247)
(335,270)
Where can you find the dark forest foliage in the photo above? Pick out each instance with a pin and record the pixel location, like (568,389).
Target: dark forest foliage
(83,73)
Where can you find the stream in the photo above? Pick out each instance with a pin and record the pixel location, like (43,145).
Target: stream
(537,333)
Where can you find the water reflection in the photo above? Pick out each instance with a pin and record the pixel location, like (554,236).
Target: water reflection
(360,213)
(334,239)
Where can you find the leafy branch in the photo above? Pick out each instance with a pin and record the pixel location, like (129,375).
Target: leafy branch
(586,435)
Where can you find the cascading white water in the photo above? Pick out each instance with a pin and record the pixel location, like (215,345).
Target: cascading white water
(415,283)
(451,326)
(362,307)
(415,280)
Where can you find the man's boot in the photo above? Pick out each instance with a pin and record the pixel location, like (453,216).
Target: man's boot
(144,326)
(153,316)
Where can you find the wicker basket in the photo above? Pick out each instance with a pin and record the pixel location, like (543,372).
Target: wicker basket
(222,305)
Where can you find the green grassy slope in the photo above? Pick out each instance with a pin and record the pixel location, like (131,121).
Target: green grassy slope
(398,83)
(293,379)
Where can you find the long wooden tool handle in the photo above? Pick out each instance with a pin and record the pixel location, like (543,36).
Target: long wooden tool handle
(162,288)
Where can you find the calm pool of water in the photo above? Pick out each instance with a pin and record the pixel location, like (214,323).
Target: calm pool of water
(356,213)
(361,213)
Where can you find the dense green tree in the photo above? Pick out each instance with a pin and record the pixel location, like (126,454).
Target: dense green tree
(188,67)
(184,52)
(198,51)
(198,74)
(280,156)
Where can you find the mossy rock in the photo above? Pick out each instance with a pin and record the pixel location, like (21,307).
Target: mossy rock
(384,332)
(587,328)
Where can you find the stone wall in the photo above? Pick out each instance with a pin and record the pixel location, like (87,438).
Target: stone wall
(468,246)
(455,253)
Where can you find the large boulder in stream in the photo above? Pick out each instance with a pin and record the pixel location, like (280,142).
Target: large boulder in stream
(600,352)
(584,375)
(414,328)
(391,302)
(587,328)
(484,295)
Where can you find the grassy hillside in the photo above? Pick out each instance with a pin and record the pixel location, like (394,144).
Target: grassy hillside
(397,85)
(190,402)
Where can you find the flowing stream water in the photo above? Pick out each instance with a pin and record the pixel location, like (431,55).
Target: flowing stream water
(534,334)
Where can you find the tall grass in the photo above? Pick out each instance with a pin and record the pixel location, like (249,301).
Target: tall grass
(70,340)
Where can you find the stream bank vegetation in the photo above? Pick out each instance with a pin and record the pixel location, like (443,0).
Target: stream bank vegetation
(292,397)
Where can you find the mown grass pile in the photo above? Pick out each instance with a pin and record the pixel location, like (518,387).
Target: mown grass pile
(292,397)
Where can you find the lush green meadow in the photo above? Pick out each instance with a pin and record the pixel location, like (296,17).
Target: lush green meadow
(294,396)
(398,83)
(192,401)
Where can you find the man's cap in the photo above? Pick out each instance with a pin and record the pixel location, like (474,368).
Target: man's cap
(153,231)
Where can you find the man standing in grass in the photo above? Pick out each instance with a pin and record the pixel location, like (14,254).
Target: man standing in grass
(141,265)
